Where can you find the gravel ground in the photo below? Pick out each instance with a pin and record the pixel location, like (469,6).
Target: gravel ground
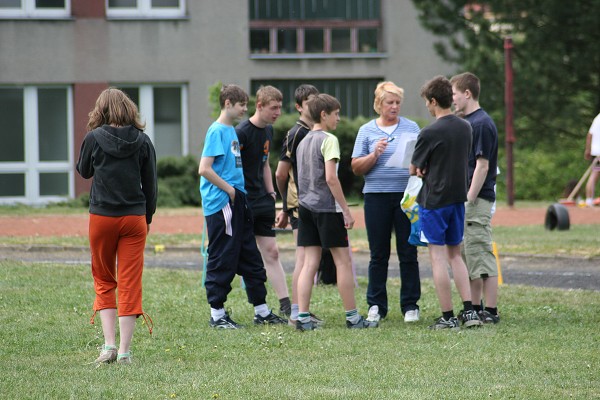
(557,272)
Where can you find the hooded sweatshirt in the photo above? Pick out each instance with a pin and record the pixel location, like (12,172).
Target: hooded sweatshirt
(122,162)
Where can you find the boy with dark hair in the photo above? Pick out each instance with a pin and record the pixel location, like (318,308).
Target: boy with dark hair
(324,213)
(286,177)
(256,135)
(483,161)
(441,158)
(231,244)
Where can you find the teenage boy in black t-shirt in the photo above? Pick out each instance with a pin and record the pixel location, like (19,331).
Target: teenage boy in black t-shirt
(441,158)
(286,177)
(255,136)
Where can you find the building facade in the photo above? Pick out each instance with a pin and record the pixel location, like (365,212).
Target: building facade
(57,55)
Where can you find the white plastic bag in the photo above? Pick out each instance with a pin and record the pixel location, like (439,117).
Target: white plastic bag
(411,208)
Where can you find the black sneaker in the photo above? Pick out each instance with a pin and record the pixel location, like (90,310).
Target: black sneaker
(271,319)
(306,326)
(224,323)
(442,323)
(469,318)
(488,318)
(362,324)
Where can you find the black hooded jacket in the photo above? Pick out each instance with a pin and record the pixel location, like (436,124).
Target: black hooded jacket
(122,162)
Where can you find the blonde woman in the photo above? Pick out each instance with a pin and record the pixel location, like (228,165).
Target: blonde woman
(120,159)
(375,144)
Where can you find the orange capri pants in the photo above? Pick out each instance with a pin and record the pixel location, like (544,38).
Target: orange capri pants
(117,245)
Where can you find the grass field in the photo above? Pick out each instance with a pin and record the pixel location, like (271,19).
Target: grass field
(546,347)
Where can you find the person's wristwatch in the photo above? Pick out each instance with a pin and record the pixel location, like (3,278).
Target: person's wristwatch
(274,194)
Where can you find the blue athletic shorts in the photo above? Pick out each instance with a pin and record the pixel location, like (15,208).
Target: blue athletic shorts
(443,226)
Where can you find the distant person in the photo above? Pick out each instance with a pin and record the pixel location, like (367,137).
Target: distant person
(120,159)
(441,158)
(376,142)
(256,136)
(324,213)
(231,244)
(483,166)
(286,177)
(592,152)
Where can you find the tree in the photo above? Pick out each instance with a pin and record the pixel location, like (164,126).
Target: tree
(556,63)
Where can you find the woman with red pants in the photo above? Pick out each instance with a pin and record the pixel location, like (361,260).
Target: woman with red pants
(120,159)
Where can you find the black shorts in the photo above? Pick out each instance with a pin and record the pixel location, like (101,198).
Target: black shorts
(263,211)
(321,229)
(293,214)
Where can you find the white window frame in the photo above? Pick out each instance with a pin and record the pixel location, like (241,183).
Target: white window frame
(32,167)
(146,109)
(144,9)
(29,10)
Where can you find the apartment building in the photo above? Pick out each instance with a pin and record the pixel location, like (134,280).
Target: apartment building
(57,55)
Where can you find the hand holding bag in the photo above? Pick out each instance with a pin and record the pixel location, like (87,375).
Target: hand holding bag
(411,208)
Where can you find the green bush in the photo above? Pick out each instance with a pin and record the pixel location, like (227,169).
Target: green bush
(178,181)
(542,174)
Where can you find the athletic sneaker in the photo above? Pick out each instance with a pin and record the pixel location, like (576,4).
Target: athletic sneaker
(373,314)
(488,318)
(124,359)
(442,323)
(411,315)
(469,318)
(224,323)
(362,324)
(107,355)
(316,320)
(306,326)
(271,319)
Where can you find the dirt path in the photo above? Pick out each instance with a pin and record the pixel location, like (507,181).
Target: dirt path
(190,221)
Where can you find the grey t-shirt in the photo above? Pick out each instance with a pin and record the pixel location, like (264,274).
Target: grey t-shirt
(313,152)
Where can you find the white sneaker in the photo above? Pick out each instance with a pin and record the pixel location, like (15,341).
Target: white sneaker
(411,316)
(373,314)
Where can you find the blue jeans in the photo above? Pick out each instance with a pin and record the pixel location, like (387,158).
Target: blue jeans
(382,214)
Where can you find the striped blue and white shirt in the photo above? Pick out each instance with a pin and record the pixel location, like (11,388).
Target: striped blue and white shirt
(382,179)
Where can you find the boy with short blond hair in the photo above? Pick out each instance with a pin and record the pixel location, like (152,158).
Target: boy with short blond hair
(481,196)
(231,244)
(256,136)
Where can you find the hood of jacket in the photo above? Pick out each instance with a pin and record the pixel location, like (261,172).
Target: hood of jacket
(120,142)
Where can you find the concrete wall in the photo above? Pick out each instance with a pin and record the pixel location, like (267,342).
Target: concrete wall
(210,45)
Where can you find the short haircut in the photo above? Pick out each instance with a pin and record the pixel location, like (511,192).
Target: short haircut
(303,91)
(322,102)
(266,94)
(233,93)
(114,107)
(382,89)
(440,89)
(467,81)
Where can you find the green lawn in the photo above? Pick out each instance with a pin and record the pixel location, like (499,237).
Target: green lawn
(546,347)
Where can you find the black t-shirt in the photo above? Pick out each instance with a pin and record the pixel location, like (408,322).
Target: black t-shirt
(485,145)
(288,154)
(254,147)
(442,151)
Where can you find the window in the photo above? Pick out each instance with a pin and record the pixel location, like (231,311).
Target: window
(310,29)
(36,164)
(163,109)
(355,95)
(35,9)
(145,8)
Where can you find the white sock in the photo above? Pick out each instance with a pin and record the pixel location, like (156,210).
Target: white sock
(217,313)
(262,310)
(589,201)
(294,314)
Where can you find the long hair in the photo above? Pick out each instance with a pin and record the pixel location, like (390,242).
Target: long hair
(114,107)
